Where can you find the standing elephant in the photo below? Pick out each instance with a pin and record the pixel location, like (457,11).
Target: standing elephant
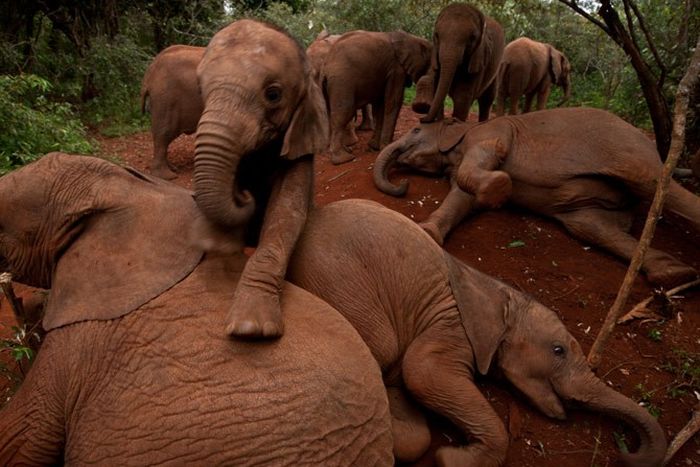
(135,369)
(370,68)
(584,167)
(467,50)
(530,68)
(169,92)
(264,118)
(433,323)
(317,52)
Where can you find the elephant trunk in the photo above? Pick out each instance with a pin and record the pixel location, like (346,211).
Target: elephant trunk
(218,151)
(566,86)
(450,58)
(601,398)
(385,160)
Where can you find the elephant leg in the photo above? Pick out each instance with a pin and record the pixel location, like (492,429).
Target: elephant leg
(159,165)
(408,425)
(486,101)
(608,230)
(462,98)
(528,102)
(514,100)
(349,136)
(378,108)
(437,373)
(500,104)
(453,209)
(341,112)
(367,120)
(542,96)
(393,99)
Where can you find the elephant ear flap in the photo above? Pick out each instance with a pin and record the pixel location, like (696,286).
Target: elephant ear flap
(308,131)
(451,134)
(477,62)
(412,53)
(555,62)
(482,310)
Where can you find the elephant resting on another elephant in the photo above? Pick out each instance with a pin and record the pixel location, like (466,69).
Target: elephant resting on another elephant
(433,322)
(136,368)
(169,92)
(584,167)
(528,68)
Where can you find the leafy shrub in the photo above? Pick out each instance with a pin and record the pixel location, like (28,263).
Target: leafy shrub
(30,125)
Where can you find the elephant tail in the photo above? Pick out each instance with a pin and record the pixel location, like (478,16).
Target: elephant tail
(145,101)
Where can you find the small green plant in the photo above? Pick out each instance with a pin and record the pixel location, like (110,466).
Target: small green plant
(655,335)
(620,441)
(685,367)
(645,396)
(19,347)
(31,125)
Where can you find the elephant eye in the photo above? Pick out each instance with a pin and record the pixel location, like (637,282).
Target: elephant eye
(273,94)
(558,350)
(415,131)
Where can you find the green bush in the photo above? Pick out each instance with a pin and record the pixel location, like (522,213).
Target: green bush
(31,125)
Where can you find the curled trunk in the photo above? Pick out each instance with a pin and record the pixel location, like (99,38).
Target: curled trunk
(385,160)
(450,58)
(603,399)
(216,160)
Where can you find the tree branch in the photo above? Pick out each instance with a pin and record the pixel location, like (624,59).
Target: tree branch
(650,42)
(572,4)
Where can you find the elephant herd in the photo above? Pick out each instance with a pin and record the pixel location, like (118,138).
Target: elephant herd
(167,344)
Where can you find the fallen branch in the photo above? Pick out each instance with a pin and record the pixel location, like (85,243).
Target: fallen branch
(677,143)
(640,309)
(341,174)
(684,435)
(15,303)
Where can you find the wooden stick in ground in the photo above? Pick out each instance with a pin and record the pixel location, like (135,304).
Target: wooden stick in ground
(684,435)
(677,143)
(15,304)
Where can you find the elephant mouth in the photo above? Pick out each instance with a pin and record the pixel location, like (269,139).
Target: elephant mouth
(4,264)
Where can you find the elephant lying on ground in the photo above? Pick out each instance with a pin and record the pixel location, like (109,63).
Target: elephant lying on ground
(364,68)
(467,50)
(584,167)
(169,92)
(530,68)
(433,322)
(136,369)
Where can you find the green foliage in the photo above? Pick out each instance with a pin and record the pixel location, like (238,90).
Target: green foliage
(31,125)
(18,347)
(685,367)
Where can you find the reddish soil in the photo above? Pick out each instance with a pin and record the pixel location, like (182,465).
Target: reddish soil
(578,281)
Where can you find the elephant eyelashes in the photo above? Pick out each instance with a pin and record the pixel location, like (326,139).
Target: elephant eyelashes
(559,351)
(273,94)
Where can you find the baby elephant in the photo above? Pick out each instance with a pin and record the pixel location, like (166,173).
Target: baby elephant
(584,167)
(432,323)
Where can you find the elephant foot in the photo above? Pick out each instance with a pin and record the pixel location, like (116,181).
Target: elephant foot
(420,107)
(255,315)
(494,189)
(374,144)
(163,172)
(365,126)
(671,275)
(350,138)
(409,427)
(450,456)
(434,232)
(341,157)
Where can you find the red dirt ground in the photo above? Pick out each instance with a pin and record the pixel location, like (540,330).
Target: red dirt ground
(577,281)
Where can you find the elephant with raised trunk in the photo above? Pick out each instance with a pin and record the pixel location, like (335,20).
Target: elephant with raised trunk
(264,118)
(530,68)
(586,168)
(467,50)
(434,323)
(169,92)
(364,68)
(135,368)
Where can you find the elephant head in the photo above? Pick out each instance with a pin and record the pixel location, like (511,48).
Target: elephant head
(560,72)
(63,208)
(426,148)
(413,53)
(533,350)
(460,38)
(259,98)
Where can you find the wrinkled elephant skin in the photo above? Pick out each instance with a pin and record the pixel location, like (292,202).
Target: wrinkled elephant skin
(136,369)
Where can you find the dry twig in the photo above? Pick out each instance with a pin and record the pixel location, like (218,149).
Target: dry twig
(15,303)
(684,435)
(640,310)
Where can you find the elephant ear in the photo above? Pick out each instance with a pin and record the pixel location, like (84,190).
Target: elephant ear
(482,53)
(483,304)
(413,53)
(555,64)
(131,248)
(451,134)
(308,130)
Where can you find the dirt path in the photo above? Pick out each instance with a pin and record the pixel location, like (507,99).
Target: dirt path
(643,360)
